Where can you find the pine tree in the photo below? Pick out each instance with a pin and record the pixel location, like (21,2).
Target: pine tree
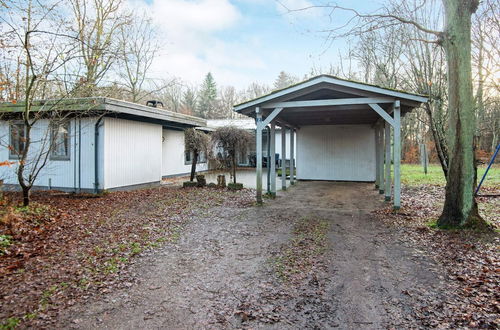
(284,80)
(207,98)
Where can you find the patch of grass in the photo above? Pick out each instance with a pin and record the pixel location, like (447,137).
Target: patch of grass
(299,255)
(10,323)
(413,175)
(5,242)
(279,171)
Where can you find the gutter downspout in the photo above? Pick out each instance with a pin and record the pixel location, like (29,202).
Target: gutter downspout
(96,154)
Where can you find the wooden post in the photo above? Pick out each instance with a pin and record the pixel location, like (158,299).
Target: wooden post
(258,146)
(292,156)
(272,166)
(283,157)
(381,158)
(397,155)
(387,178)
(377,156)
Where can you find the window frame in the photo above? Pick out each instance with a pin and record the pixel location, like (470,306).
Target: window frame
(52,126)
(11,144)
(201,160)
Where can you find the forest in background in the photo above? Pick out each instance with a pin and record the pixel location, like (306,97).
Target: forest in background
(100,48)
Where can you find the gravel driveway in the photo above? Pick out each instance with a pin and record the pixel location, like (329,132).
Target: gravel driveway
(221,265)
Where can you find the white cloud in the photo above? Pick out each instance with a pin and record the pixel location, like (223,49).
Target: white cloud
(191,46)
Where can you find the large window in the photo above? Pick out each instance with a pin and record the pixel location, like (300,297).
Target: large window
(60,141)
(17,139)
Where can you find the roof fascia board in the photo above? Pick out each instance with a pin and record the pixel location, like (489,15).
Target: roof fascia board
(330,80)
(330,102)
(144,111)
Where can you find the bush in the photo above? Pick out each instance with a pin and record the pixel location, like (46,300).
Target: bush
(235,186)
(188,184)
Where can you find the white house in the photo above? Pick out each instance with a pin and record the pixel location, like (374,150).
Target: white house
(100,144)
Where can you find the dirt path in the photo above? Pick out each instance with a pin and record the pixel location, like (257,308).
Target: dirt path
(221,265)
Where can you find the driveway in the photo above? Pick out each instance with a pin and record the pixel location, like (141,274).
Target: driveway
(220,275)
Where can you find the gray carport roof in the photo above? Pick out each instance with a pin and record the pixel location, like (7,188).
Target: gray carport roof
(348,102)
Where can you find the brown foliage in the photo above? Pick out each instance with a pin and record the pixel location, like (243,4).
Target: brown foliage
(66,248)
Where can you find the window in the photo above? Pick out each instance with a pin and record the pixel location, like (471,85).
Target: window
(60,139)
(17,139)
(189,155)
(202,157)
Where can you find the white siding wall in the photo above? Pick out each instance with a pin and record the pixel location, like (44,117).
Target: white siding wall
(173,154)
(278,143)
(336,152)
(61,173)
(132,153)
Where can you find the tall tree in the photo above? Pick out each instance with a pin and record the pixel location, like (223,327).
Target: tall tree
(97,26)
(41,47)
(138,48)
(207,97)
(460,208)
(189,101)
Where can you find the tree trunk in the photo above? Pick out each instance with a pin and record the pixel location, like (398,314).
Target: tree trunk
(26,196)
(439,141)
(460,208)
(193,165)
(233,163)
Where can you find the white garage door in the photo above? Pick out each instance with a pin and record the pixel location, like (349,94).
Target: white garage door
(336,152)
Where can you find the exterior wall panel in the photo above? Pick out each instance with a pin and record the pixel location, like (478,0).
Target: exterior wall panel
(173,154)
(131,153)
(336,152)
(56,173)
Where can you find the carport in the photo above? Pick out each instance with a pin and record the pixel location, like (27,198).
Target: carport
(343,131)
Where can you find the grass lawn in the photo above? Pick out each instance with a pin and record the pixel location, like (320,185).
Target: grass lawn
(414,175)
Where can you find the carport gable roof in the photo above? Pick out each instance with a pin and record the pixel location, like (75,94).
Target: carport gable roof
(327,100)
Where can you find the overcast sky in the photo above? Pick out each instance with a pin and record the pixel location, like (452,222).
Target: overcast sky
(241,41)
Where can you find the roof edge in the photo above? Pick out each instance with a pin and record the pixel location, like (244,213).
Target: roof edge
(334,80)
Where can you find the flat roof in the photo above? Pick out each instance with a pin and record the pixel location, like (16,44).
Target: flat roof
(109,106)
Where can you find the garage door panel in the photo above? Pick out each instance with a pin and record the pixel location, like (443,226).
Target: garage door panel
(336,152)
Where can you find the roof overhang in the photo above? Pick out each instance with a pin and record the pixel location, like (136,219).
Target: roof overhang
(109,107)
(328,100)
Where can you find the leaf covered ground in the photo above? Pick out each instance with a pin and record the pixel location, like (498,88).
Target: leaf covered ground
(470,258)
(66,248)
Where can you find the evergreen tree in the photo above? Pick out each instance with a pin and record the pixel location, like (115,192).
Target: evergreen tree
(207,98)
(284,80)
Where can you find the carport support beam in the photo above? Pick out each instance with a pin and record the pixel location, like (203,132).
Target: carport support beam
(258,137)
(397,155)
(381,159)
(387,162)
(292,155)
(377,156)
(283,157)
(272,166)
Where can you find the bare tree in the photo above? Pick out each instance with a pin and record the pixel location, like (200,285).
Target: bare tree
(98,24)
(138,49)
(231,140)
(196,142)
(460,207)
(41,46)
